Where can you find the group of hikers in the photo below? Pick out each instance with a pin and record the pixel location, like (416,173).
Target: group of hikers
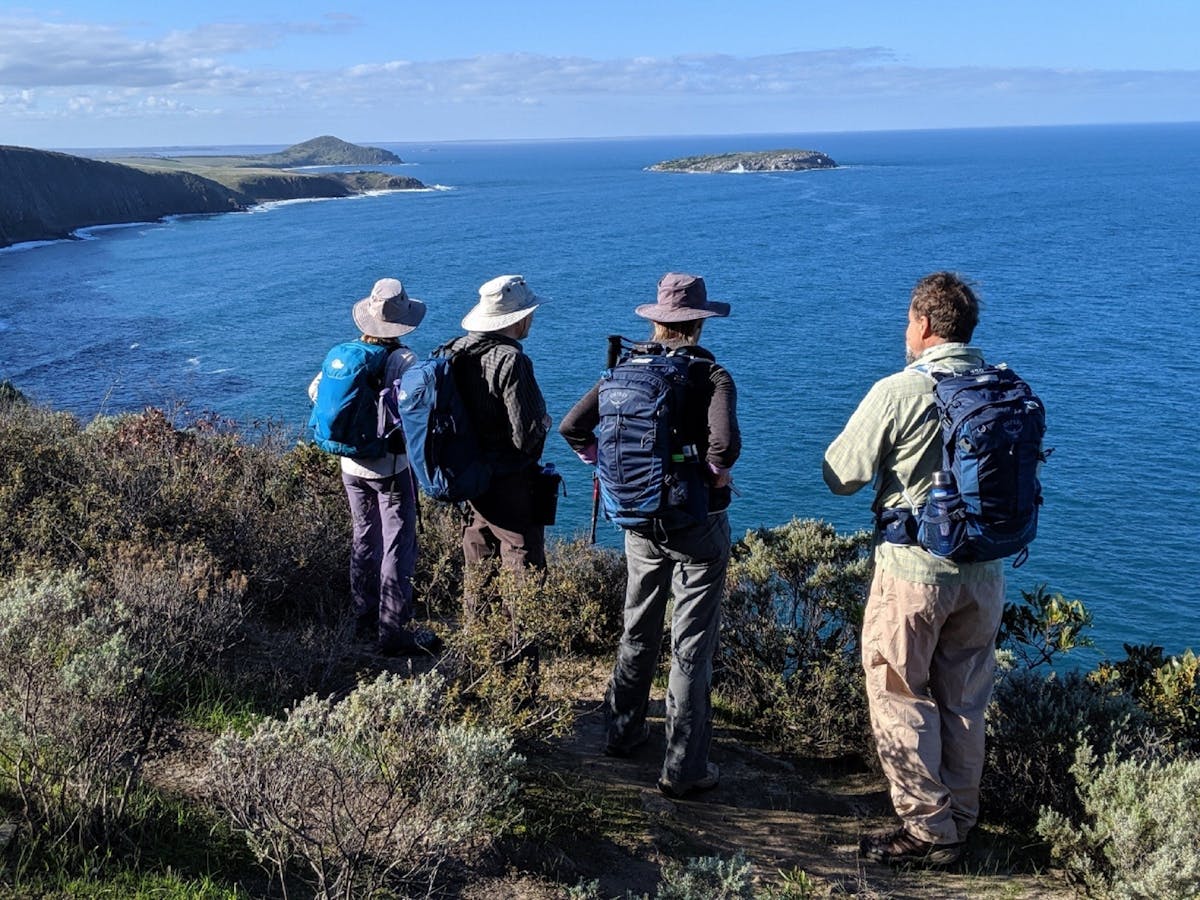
(951,445)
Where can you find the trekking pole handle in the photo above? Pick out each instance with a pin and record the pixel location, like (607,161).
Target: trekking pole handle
(614,350)
(595,507)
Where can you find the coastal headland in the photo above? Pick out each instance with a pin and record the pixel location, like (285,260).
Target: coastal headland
(49,196)
(752,161)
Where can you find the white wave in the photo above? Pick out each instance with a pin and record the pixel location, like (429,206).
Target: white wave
(193,361)
(134,345)
(219,371)
(268,205)
(89,233)
(30,245)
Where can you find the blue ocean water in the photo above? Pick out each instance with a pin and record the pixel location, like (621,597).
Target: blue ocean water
(1082,242)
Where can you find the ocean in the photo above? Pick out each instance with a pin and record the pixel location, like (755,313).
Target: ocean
(1081,242)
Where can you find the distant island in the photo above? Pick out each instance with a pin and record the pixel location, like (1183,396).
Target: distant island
(753,161)
(48,195)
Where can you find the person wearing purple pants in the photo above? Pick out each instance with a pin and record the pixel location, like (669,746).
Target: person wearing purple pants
(382,497)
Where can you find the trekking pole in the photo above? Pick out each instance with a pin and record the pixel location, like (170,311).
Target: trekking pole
(614,354)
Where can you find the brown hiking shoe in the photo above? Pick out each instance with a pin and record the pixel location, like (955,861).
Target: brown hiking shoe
(899,848)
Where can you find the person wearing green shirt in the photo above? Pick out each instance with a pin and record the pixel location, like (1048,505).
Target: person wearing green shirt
(930,625)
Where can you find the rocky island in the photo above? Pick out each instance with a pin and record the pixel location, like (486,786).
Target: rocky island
(46,195)
(752,161)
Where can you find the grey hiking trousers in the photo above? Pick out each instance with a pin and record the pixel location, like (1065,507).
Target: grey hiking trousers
(688,564)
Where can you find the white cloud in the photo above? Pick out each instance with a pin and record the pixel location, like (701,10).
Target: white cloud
(55,69)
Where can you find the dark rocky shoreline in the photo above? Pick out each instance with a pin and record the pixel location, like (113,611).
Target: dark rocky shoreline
(46,195)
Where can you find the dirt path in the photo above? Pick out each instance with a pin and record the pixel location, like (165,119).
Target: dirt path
(782,815)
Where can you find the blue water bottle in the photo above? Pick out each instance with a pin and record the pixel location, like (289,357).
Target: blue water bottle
(939,532)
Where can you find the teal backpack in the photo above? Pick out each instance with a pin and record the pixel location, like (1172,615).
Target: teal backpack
(345,417)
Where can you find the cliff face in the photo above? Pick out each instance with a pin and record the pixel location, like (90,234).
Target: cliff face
(45,195)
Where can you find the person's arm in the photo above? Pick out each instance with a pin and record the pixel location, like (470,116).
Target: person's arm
(525,405)
(854,457)
(724,434)
(578,427)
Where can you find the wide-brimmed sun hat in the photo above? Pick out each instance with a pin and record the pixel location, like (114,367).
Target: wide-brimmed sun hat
(681,298)
(389,311)
(503,301)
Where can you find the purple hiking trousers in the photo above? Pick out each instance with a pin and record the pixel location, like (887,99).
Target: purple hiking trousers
(383,553)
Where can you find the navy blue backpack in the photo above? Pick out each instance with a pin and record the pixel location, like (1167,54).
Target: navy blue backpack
(346,416)
(992,430)
(443,449)
(648,468)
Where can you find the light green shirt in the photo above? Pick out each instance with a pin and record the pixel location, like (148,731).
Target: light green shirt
(893,440)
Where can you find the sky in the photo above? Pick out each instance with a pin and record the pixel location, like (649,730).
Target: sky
(78,73)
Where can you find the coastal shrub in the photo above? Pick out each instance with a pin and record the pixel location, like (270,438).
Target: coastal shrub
(1035,724)
(789,635)
(1137,834)
(273,515)
(1040,628)
(707,878)
(438,581)
(377,789)
(697,878)
(175,605)
(76,718)
(1168,688)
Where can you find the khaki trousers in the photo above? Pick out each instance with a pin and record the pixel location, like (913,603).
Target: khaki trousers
(929,656)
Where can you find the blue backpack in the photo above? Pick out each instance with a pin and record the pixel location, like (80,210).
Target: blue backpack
(346,416)
(992,430)
(443,449)
(649,471)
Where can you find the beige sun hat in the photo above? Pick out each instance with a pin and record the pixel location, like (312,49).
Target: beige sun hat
(503,301)
(389,311)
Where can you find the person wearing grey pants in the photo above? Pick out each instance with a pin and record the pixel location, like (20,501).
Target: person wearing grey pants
(688,564)
(684,563)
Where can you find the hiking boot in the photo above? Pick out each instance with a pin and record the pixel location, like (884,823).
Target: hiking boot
(411,642)
(629,747)
(679,790)
(366,626)
(900,848)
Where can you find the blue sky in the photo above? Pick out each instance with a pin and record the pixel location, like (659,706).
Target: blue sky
(119,73)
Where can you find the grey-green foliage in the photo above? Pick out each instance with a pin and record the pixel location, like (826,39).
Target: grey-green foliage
(789,634)
(707,878)
(1139,832)
(1034,725)
(699,878)
(76,719)
(378,787)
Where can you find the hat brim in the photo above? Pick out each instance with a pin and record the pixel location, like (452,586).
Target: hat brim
(656,313)
(376,327)
(477,320)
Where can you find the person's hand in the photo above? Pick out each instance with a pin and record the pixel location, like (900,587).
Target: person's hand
(720,477)
(588,454)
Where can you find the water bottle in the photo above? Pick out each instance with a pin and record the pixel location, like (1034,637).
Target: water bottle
(939,532)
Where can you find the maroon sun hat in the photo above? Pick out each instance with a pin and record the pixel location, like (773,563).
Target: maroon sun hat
(682,298)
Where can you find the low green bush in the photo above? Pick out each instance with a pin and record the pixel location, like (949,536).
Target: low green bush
(1168,688)
(790,628)
(374,790)
(1035,724)
(273,516)
(1137,834)
(76,715)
